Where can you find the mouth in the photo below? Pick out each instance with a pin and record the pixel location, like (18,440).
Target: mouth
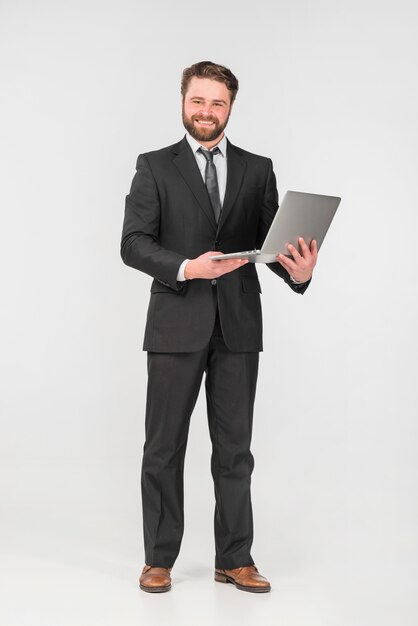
(205,123)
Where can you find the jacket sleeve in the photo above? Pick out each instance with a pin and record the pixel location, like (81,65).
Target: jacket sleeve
(268,211)
(140,247)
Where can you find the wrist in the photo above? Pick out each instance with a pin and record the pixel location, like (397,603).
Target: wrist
(188,270)
(299,280)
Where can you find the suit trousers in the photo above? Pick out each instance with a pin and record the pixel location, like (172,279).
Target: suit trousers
(174,380)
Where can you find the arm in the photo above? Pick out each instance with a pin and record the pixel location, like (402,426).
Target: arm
(268,211)
(140,246)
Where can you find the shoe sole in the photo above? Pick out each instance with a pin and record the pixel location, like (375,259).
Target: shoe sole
(155,589)
(223,578)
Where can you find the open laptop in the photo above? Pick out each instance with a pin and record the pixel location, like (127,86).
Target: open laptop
(306,215)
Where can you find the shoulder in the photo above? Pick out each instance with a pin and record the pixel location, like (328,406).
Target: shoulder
(259,166)
(249,156)
(161,155)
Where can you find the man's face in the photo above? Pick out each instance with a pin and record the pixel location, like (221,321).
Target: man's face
(206,109)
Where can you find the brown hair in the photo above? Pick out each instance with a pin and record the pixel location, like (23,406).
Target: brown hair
(207,69)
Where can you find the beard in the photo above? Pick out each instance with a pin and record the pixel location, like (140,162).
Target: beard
(200,133)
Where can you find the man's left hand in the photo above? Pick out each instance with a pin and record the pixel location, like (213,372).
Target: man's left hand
(303,262)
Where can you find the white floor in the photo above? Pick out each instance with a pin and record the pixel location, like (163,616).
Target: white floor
(72,551)
(92,587)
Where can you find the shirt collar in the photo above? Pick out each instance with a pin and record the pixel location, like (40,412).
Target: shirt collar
(195,145)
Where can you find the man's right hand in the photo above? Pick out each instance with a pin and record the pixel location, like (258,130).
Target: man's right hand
(203,267)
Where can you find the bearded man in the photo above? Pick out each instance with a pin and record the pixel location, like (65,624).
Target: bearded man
(198,197)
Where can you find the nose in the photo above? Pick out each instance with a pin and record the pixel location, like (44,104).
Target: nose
(206,109)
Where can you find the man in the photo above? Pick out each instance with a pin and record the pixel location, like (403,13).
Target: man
(200,196)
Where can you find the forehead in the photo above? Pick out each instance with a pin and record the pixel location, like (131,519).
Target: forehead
(208,89)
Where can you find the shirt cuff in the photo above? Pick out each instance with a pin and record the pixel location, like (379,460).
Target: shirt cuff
(180,275)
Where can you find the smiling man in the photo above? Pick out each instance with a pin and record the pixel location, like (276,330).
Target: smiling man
(205,121)
(200,196)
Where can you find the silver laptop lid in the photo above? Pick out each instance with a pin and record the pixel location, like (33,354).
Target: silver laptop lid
(300,214)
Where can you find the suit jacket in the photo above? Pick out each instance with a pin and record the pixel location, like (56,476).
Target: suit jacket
(169,218)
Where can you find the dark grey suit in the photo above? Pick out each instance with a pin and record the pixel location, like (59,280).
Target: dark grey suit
(195,327)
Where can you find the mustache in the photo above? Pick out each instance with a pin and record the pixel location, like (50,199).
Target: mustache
(204,119)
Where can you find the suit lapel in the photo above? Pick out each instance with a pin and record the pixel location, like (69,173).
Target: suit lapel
(185,162)
(236,166)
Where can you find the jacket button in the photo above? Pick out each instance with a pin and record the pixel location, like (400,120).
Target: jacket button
(213,282)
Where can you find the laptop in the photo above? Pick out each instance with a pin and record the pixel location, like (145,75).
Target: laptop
(306,215)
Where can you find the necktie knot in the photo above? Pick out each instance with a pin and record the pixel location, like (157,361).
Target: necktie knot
(208,154)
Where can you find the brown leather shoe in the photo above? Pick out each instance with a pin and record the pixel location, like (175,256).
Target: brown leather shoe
(155,579)
(244,578)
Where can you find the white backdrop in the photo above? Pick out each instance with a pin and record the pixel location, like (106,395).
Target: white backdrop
(328,91)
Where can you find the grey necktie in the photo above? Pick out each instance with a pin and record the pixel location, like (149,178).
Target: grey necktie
(211,181)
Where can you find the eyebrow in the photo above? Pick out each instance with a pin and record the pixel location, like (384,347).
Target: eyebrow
(201,98)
